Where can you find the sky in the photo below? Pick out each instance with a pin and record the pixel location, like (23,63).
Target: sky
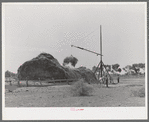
(30,29)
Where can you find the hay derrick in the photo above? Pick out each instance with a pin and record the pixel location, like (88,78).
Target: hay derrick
(45,66)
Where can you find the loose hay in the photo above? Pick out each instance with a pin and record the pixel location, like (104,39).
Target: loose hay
(80,88)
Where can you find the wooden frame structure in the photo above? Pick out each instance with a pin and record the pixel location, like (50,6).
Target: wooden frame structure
(101,62)
(47,81)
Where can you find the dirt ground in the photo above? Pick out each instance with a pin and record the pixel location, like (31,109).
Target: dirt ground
(128,93)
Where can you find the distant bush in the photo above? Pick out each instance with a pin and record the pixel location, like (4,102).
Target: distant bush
(81,89)
(141,65)
(10,74)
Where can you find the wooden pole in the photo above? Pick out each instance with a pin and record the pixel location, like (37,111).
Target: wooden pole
(101,49)
(27,83)
(67,82)
(18,82)
(97,68)
(40,81)
(10,83)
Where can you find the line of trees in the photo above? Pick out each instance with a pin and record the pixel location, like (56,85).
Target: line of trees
(10,74)
(116,66)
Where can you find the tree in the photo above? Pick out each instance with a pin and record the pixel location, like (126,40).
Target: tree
(134,68)
(70,59)
(119,69)
(10,74)
(115,66)
(141,65)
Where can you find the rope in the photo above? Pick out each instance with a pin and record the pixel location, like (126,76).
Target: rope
(89,33)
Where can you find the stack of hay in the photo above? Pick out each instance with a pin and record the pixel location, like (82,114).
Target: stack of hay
(45,66)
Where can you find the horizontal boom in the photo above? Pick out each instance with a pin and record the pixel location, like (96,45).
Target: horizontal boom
(86,50)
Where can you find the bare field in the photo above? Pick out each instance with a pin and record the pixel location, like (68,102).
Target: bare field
(130,92)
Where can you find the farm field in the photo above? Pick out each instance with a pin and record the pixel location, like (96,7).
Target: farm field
(128,93)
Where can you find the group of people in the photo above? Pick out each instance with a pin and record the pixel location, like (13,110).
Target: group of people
(105,79)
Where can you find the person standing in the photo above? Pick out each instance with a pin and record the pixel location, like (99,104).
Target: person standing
(106,79)
(118,79)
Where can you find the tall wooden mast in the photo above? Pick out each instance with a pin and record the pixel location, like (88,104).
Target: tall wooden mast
(101,49)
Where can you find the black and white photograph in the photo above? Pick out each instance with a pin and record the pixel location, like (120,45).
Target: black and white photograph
(68,60)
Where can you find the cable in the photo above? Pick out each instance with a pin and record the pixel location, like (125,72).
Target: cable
(89,34)
(86,35)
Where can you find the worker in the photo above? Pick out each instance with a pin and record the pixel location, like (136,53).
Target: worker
(106,79)
(118,79)
(10,82)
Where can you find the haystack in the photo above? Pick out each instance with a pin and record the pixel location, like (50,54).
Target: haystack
(45,66)
(87,74)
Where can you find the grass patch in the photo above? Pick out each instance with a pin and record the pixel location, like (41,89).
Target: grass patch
(80,88)
(139,93)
